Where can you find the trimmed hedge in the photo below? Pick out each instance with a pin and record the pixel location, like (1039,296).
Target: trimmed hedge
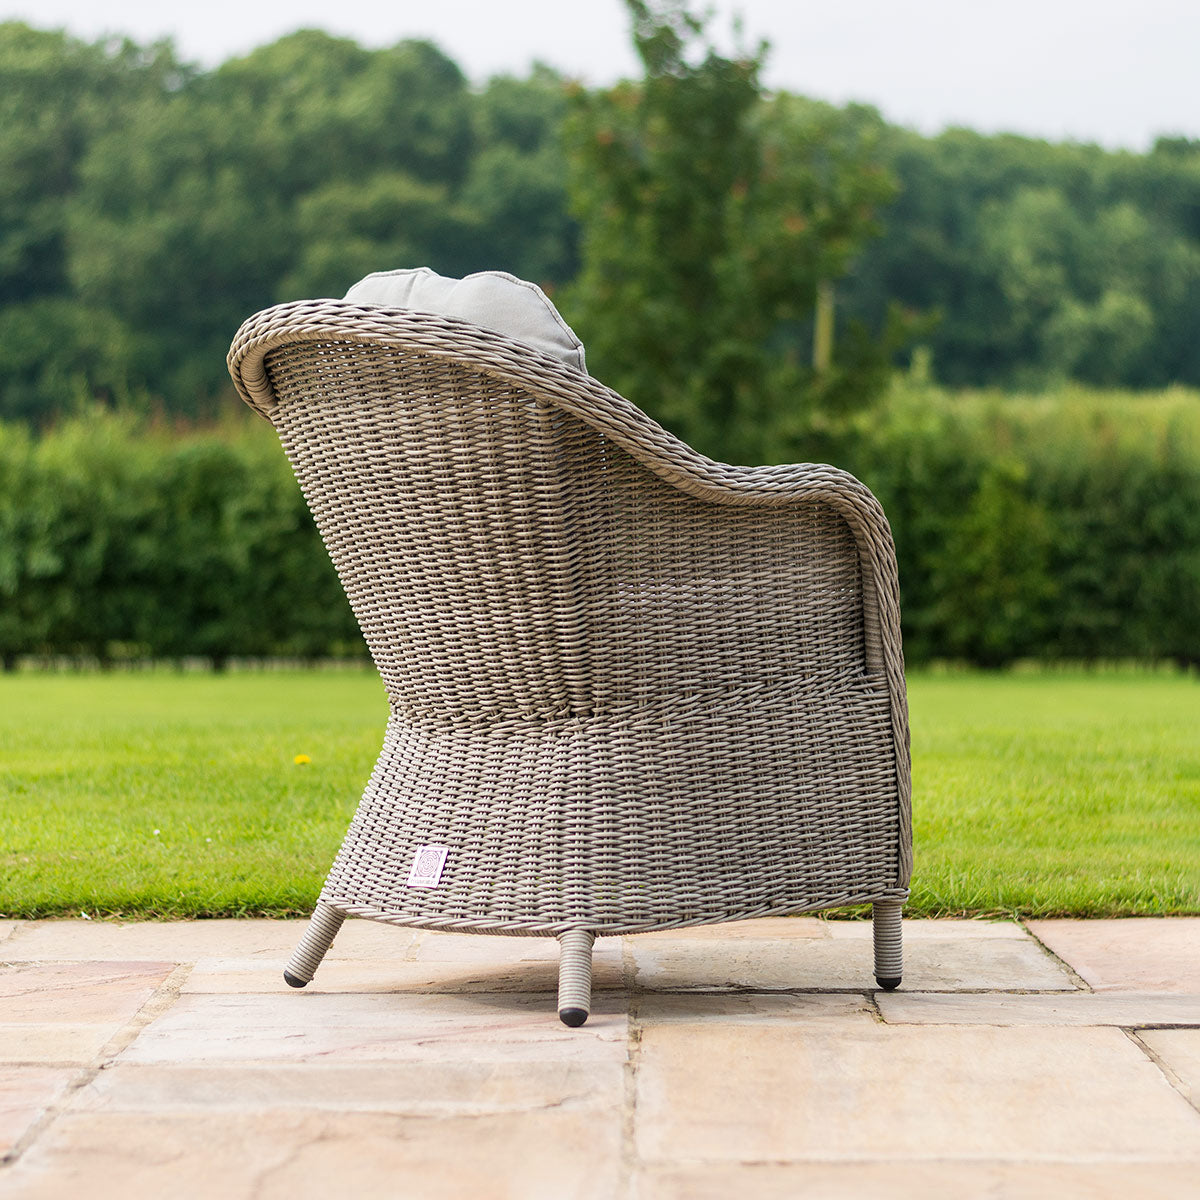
(117,543)
(1057,527)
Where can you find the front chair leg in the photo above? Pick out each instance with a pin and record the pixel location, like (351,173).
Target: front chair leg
(575,976)
(889,947)
(306,958)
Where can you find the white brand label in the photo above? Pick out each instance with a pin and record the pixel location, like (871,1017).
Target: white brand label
(427,864)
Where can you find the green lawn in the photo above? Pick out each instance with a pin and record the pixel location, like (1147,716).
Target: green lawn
(178,795)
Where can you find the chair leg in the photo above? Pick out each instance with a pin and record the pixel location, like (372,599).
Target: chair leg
(306,958)
(575,976)
(889,947)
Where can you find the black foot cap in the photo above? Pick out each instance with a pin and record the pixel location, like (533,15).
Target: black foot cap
(888,985)
(293,980)
(573,1017)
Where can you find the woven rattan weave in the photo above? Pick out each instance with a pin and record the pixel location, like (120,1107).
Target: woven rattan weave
(631,688)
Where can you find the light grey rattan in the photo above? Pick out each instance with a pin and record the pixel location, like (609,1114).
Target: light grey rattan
(631,688)
(318,937)
(575,976)
(889,948)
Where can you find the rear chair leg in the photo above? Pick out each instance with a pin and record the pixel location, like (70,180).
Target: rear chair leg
(889,948)
(575,976)
(306,958)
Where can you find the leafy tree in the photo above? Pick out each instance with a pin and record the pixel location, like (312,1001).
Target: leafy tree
(1081,294)
(168,234)
(516,188)
(318,108)
(146,207)
(287,173)
(57,97)
(710,214)
(57,349)
(345,230)
(979,216)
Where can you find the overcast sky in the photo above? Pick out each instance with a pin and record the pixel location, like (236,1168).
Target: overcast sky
(1089,70)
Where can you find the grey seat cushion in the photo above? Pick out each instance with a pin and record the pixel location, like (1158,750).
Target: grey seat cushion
(493,300)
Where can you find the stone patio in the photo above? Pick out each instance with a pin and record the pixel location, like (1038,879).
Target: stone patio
(1057,1059)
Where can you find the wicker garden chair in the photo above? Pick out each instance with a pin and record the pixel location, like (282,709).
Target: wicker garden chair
(630,688)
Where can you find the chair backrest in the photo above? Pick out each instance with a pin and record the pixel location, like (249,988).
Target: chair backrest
(506,558)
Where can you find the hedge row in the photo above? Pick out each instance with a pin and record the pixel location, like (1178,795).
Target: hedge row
(1064,527)
(1060,527)
(119,543)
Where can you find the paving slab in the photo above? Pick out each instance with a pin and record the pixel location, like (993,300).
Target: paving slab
(802,1011)
(186,941)
(1179,1051)
(711,1093)
(938,931)
(755,929)
(67,1013)
(922,1181)
(754,1058)
(264,976)
(225,975)
(465,1088)
(301,1155)
(25,1093)
(485,948)
(41,993)
(1128,1010)
(165,941)
(1139,954)
(332,1028)
(54,1044)
(962,963)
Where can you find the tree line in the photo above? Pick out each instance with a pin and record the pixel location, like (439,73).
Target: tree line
(147,206)
(751,268)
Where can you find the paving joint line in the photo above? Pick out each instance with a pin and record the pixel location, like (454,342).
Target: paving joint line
(159,1001)
(1171,1077)
(1142,1026)
(1081,983)
(872,1000)
(630,1164)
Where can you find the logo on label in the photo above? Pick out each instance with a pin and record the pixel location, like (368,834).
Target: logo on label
(427,864)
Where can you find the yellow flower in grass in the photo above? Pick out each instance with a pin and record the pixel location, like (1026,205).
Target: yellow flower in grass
(301,760)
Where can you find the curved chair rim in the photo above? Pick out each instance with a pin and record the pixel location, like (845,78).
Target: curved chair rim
(546,378)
